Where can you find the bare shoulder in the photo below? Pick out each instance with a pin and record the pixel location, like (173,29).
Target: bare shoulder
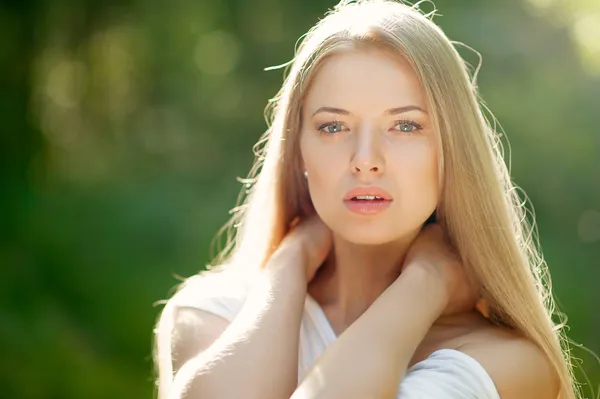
(187,332)
(199,313)
(518,367)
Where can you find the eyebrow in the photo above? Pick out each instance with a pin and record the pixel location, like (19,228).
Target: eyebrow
(391,111)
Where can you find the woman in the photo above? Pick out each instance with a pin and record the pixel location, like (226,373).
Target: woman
(382,251)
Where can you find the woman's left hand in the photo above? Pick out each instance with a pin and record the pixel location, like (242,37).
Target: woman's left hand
(431,252)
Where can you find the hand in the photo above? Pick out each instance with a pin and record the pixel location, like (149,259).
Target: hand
(432,252)
(311,240)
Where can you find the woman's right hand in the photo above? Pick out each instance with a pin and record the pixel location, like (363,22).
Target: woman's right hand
(310,240)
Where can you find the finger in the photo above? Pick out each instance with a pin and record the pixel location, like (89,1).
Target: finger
(483,307)
(294,222)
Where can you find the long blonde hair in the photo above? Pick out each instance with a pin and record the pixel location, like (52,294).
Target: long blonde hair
(480,207)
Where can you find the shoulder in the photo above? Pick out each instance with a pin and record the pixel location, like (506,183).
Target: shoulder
(192,332)
(198,314)
(517,366)
(222,292)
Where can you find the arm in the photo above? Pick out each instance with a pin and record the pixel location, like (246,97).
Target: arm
(256,355)
(370,358)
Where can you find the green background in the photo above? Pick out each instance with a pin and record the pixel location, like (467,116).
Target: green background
(125,124)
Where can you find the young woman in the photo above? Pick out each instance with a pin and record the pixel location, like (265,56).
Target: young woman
(382,251)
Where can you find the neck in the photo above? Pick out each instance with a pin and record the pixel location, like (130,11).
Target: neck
(354,275)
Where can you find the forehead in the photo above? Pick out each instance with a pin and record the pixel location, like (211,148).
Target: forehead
(365,81)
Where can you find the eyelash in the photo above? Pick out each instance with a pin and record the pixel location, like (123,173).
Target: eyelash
(398,122)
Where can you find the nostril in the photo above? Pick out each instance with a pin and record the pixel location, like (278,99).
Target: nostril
(367,168)
(372,169)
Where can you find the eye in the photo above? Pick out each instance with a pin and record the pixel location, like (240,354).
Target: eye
(330,128)
(407,126)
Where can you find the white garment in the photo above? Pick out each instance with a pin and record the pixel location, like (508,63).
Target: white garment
(445,374)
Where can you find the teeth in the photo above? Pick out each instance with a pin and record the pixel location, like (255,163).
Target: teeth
(368,197)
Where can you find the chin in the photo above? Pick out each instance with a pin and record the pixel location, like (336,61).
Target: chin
(378,230)
(365,238)
(370,234)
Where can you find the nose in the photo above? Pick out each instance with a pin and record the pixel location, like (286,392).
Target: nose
(368,159)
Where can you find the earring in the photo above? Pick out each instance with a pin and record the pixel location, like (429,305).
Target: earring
(306,174)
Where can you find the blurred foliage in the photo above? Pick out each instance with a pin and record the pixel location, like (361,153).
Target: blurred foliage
(124,125)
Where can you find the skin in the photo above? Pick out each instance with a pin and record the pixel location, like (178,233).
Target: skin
(366,146)
(366,255)
(361,269)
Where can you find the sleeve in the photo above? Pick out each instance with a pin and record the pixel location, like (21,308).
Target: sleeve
(222,293)
(447,374)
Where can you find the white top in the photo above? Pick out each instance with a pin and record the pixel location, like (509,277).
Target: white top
(445,374)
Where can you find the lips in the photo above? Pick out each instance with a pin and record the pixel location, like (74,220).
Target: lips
(367,201)
(368,193)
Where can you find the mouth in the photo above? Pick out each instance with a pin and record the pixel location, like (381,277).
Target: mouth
(368,200)
(368,193)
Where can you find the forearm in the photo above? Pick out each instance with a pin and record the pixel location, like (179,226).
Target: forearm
(371,357)
(257,355)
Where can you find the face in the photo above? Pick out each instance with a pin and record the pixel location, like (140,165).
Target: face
(368,147)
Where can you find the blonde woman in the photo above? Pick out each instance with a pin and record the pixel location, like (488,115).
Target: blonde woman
(382,250)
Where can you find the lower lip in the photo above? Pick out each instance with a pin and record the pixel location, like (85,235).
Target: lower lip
(367,207)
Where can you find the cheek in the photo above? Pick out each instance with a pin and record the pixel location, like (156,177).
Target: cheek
(323,162)
(326,166)
(324,176)
(417,168)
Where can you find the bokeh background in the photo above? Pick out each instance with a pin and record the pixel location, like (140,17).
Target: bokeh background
(125,124)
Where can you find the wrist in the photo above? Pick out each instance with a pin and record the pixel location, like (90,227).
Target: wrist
(415,300)
(427,287)
(286,266)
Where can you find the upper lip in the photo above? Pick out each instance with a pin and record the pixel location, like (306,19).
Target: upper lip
(368,190)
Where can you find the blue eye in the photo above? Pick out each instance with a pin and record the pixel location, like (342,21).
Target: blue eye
(406,126)
(330,128)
